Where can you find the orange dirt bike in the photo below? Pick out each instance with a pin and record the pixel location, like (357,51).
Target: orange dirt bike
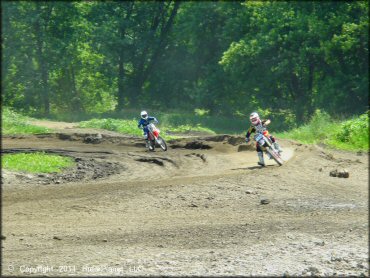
(265,143)
(153,138)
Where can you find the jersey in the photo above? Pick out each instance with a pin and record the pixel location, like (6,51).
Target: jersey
(145,122)
(260,128)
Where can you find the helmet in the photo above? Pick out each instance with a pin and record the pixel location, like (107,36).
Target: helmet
(254,118)
(144,115)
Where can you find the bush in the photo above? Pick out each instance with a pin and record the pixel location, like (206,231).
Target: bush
(355,132)
(109,124)
(317,130)
(320,125)
(349,135)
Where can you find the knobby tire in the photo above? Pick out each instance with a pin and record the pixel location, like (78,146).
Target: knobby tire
(275,156)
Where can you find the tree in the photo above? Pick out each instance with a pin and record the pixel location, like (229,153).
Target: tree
(228,58)
(286,59)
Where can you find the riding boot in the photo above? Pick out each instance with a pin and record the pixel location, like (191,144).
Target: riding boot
(260,158)
(277,147)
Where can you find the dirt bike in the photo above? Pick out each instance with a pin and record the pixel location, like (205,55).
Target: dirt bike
(153,138)
(265,143)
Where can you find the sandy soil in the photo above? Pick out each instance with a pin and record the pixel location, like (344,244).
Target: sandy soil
(204,207)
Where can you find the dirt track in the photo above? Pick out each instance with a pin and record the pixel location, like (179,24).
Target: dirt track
(193,210)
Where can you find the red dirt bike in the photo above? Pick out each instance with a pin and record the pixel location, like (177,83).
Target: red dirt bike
(265,143)
(153,138)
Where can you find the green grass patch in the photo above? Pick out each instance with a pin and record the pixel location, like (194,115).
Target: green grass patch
(14,123)
(121,126)
(130,127)
(186,129)
(38,162)
(350,135)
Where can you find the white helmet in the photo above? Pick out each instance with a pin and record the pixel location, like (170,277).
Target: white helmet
(254,118)
(144,115)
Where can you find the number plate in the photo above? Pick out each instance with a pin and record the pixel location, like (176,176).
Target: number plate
(258,137)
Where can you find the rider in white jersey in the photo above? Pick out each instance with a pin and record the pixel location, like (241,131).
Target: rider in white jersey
(259,126)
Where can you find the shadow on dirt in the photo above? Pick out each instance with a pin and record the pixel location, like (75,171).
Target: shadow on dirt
(254,167)
(151,160)
(194,145)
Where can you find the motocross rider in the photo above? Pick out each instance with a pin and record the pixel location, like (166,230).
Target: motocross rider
(143,123)
(259,126)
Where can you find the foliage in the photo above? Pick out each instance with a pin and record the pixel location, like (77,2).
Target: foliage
(317,130)
(354,133)
(38,162)
(201,112)
(284,59)
(15,123)
(351,134)
(296,55)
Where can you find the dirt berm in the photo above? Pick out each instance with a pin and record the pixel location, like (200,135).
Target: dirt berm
(202,208)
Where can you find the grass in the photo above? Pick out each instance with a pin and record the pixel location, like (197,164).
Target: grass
(130,127)
(352,134)
(188,129)
(14,123)
(121,126)
(38,162)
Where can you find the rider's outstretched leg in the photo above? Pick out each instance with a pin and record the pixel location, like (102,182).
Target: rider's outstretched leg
(146,138)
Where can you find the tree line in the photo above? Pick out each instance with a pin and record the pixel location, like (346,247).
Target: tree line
(227,58)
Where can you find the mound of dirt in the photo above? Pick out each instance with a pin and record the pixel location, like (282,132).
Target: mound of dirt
(195,145)
(230,139)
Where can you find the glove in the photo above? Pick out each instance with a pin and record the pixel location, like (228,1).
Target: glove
(247,140)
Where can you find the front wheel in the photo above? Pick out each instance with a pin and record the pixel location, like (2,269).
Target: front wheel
(275,156)
(162,143)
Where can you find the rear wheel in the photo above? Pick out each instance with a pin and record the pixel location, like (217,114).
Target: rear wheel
(275,156)
(162,143)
